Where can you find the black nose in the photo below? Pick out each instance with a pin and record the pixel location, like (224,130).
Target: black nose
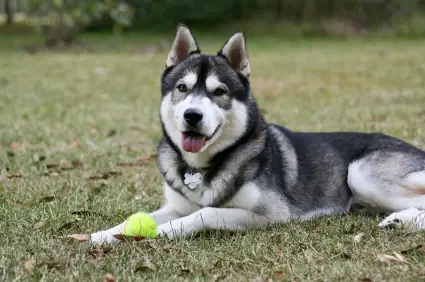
(192,116)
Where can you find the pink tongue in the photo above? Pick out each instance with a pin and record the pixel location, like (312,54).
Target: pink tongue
(192,143)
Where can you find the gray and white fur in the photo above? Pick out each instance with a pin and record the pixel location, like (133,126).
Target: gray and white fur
(254,173)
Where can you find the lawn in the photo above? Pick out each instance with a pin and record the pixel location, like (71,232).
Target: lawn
(78,134)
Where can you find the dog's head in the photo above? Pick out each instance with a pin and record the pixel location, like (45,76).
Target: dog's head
(205,98)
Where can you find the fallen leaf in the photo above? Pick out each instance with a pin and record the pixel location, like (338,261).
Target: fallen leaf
(52,166)
(279,276)
(66,226)
(419,248)
(129,165)
(76,163)
(16,203)
(89,213)
(389,258)
(108,278)
(39,225)
(143,268)
(29,266)
(358,237)
(104,175)
(147,158)
(80,237)
(47,199)
(111,133)
(185,271)
(14,175)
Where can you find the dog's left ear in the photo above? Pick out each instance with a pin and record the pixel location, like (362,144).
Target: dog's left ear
(235,51)
(184,44)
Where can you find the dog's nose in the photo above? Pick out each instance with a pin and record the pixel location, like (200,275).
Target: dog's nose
(192,116)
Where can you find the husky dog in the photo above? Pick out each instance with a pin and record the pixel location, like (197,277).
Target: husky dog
(225,168)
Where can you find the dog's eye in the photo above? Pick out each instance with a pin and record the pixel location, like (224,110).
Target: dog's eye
(182,88)
(219,91)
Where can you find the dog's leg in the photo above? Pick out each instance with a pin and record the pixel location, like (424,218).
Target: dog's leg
(176,206)
(160,216)
(392,182)
(212,218)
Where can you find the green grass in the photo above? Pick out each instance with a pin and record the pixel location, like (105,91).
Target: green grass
(63,107)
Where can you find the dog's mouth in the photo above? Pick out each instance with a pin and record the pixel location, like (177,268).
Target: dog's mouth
(193,141)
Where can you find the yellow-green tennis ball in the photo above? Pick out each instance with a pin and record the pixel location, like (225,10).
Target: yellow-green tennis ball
(140,224)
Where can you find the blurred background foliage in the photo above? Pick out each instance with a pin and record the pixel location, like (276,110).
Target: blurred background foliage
(62,20)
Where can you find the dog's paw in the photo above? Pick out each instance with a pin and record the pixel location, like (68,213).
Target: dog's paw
(411,219)
(166,230)
(103,237)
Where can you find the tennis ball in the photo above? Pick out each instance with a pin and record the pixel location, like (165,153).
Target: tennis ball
(140,224)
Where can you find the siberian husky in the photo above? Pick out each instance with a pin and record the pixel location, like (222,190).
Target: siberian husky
(225,168)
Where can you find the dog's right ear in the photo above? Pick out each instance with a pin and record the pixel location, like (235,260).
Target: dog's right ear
(184,44)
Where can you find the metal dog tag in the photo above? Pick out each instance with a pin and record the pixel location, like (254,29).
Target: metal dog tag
(192,180)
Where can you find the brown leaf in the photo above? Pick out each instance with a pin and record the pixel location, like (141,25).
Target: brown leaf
(389,258)
(14,175)
(16,203)
(108,278)
(129,165)
(111,133)
(29,266)
(65,226)
(47,199)
(365,280)
(143,268)
(76,163)
(122,237)
(80,237)
(39,225)
(419,248)
(147,158)
(278,276)
(52,166)
(104,175)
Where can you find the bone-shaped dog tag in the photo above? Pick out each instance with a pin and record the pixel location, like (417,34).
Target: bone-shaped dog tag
(192,180)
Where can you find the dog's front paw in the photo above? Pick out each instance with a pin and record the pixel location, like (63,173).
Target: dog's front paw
(412,219)
(104,237)
(166,230)
(171,231)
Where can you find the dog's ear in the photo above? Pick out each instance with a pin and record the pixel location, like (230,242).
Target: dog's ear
(184,44)
(235,51)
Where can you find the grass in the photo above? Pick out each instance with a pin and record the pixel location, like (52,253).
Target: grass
(66,116)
